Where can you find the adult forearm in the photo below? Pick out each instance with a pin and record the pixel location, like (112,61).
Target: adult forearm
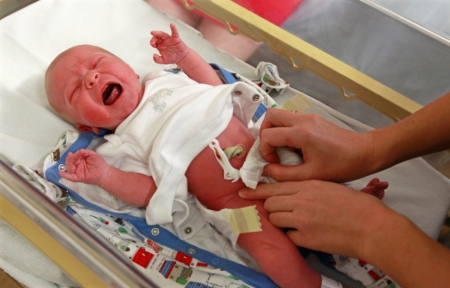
(421,133)
(405,253)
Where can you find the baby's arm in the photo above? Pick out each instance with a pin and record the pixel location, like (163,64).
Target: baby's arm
(89,167)
(174,51)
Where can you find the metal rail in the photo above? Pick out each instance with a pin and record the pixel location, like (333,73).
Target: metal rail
(352,83)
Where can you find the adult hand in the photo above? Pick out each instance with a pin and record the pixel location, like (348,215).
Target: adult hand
(322,215)
(329,151)
(332,218)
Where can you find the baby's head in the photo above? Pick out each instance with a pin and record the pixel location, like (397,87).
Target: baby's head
(92,88)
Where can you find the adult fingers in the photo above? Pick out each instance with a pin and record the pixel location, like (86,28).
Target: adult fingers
(278,118)
(283,173)
(280,203)
(271,139)
(264,191)
(283,219)
(302,239)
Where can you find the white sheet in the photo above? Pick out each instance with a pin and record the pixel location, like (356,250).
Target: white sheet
(32,37)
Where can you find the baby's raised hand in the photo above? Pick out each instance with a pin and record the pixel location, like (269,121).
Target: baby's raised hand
(171,47)
(85,166)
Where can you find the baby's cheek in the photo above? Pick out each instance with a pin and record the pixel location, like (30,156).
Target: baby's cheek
(91,116)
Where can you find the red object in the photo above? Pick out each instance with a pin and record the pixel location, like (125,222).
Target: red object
(374,275)
(276,12)
(362,263)
(183,258)
(142,257)
(201,264)
(273,11)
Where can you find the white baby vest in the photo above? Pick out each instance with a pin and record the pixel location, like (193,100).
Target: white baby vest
(174,122)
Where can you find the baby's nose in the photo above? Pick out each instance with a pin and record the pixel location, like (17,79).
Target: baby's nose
(91,78)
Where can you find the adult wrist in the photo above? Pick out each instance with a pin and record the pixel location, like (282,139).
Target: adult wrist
(382,150)
(379,235)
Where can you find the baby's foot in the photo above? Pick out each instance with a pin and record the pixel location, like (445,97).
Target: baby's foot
(376,188)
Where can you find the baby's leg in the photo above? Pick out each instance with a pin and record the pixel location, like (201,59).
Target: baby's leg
(376,188)
(276,254)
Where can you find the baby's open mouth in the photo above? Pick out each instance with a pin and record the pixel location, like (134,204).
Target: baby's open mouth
(111,93)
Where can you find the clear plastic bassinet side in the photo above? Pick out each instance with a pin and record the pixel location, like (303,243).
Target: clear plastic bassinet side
(79,251)
(410,41)
(351,83)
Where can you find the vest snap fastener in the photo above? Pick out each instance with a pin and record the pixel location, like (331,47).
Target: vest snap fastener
(155,231)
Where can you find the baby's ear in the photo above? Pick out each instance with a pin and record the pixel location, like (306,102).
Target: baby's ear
(85,128)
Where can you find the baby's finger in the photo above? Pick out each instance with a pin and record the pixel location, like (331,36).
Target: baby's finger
(174,31)
(70,160)
(68,176)
(373,182)
(158,59)
(153,42)
(160,35)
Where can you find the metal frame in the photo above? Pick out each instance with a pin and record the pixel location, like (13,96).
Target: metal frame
(352,83)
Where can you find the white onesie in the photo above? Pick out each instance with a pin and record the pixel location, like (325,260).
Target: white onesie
(175,121)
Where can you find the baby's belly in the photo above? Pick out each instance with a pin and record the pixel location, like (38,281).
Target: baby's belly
(205,175)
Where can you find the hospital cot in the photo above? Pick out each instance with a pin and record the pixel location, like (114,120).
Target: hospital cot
(29,129)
